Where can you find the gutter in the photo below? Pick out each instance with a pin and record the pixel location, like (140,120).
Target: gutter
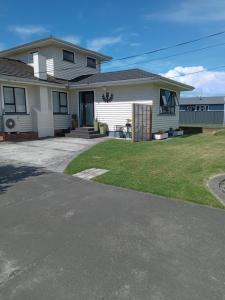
(68,85)
(32,81)
(130,82)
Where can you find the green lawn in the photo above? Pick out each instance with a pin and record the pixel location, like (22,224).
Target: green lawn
(178,167)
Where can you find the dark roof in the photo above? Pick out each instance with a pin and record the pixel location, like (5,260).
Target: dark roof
(114,76)
(17,68)
(130,74)
(12,67)
(202,100)
(49,41)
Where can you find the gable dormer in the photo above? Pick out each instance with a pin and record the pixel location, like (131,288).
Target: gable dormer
(57,58)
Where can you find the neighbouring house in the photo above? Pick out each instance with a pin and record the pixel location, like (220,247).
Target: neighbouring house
(202,112)
(46,82)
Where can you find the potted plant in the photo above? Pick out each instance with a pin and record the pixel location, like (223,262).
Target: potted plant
(74,121)
(96,125)
(178,132)
(128,124)
(160,135)
(170,131)
(103,128)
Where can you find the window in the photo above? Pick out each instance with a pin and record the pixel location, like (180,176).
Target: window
(14,100)
(168,101)
(31,57)
(68,56)
(60,103)
(91,62)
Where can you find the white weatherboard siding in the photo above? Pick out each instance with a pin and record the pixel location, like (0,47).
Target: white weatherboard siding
(23,122)
(120,109)
(59,68)
(1,123)
(164,122)
(64,69)
(62,121)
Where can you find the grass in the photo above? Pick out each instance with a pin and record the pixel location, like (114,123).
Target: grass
(178,167)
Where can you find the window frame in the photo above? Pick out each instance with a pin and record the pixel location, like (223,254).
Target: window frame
(14,100)
(67,60)
(172,108)
(60,105)
(93,58)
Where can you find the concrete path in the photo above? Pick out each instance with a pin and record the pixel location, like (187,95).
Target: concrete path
(64,238)
(53,154)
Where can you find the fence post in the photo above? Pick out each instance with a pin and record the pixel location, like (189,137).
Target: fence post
(133,122)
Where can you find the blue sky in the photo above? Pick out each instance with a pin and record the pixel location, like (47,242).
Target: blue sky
(122,28)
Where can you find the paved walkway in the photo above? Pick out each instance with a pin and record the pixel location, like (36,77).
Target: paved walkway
(65,238)
(216,185)
(53,154)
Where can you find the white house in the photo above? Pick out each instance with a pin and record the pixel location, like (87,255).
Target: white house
(44,82)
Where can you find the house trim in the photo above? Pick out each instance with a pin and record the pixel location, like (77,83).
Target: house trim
(88,56)
(68,61)
(78,97)
(50,40)
(131,82)
(20,80)
(3,102)
(68,101)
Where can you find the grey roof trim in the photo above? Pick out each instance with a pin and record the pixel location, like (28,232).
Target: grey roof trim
(41,42)
(124,77)
(37,81)
(129,82)
(202,100)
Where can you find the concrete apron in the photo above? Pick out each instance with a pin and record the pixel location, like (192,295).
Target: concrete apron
(53,154)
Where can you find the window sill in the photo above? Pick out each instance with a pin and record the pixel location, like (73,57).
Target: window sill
(61,114)
(16,113)
(72,62)
(91,67)
(167,115)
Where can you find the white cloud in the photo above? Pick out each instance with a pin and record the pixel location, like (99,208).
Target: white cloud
(72,39)
(206,82)
(28,30)
(135,44)
(100,43)
(192,11)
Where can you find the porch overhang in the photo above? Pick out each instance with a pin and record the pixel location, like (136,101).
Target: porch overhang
(179,85)
(27,81)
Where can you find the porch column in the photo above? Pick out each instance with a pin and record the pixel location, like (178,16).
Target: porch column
(45,121)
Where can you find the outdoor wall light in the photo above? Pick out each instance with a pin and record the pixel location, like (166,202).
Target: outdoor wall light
(107,97)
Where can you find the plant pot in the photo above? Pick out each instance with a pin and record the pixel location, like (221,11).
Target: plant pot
(160,136)
(103,129)
(178,133)
(74,124)
(96,125)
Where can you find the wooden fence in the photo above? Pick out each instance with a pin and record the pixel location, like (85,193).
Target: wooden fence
(141,122)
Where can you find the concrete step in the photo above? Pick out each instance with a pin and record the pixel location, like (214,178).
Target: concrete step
(85,129)
(84,135)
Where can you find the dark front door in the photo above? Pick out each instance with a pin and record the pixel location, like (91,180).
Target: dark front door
(86,108)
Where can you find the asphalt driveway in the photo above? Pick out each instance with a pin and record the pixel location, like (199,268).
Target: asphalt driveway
(63,238)
(53,153)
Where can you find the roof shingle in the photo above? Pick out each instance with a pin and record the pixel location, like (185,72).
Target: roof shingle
(12,67)
(114,76)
